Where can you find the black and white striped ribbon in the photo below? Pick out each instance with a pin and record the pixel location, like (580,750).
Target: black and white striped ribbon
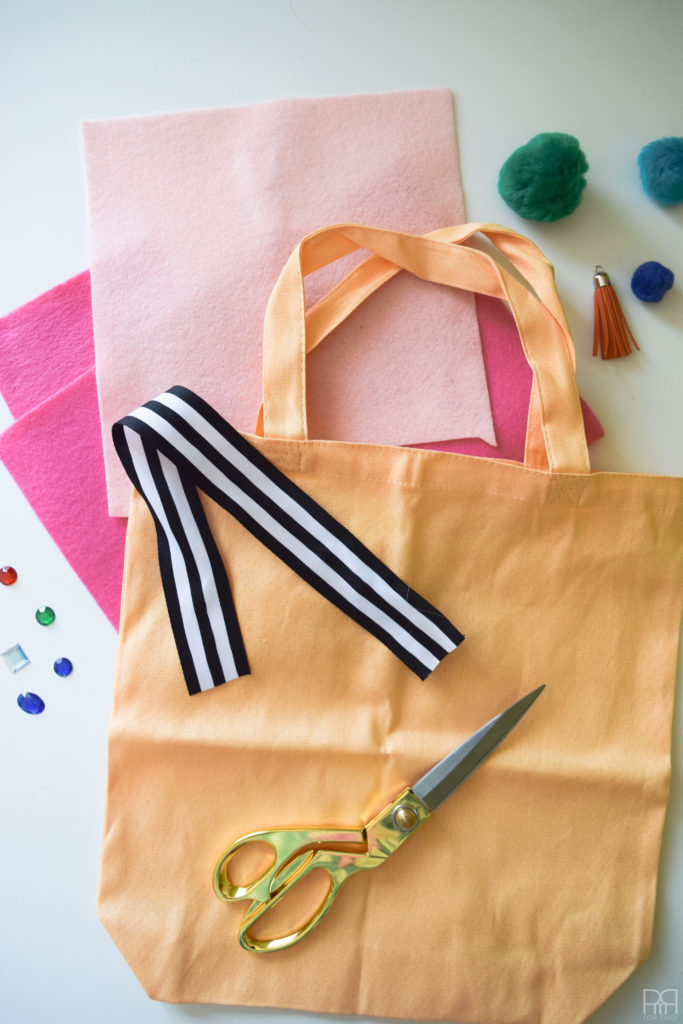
(177,443)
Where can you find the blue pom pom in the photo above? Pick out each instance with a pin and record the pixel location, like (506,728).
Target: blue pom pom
(661,170)
(651,281)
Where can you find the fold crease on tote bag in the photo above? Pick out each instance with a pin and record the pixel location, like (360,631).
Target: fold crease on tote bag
(177,443)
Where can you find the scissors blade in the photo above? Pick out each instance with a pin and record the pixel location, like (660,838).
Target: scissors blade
(445,777)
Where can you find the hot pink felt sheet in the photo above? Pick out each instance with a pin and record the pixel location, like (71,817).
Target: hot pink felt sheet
(53,448)
(192,218)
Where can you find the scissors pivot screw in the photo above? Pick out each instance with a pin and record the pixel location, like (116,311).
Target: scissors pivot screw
(405,818)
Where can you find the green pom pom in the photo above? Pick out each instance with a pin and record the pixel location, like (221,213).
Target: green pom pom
(544,179)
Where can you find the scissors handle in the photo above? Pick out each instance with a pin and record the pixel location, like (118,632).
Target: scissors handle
(299,868)
(298,852)
(285,843)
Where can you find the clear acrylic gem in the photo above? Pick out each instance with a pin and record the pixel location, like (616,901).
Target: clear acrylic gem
(15,658)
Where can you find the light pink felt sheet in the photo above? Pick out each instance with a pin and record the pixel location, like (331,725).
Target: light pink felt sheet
(192,217)
(509,379)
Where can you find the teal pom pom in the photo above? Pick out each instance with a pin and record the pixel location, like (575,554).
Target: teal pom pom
(544,179)
(661,170)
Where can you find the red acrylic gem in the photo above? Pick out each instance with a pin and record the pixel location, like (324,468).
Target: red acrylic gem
(8,575)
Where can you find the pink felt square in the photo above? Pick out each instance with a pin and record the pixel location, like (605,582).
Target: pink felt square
(193,216)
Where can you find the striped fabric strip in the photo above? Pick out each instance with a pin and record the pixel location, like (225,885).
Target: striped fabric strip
(176,444)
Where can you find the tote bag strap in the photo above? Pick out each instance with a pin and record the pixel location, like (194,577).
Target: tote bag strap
(556,438)
(333,308)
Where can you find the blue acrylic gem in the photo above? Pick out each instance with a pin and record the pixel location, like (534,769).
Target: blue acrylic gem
(31,703)
(63,667)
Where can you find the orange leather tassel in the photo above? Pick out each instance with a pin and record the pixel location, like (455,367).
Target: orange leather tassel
(610,330)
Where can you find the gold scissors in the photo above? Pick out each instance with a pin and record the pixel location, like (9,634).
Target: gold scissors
(343,852)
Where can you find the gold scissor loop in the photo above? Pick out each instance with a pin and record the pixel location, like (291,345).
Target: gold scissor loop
(302,866)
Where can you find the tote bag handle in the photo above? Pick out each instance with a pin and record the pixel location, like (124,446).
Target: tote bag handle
(328,312)
(555,432)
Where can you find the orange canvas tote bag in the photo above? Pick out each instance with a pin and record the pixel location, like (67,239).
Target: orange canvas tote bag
(529,896)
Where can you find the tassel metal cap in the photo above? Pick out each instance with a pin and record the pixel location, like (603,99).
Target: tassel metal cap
(600,277)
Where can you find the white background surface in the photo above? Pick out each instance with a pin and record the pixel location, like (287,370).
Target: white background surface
(609,73)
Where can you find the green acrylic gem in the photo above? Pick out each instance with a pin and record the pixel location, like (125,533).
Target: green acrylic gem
(45,616)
